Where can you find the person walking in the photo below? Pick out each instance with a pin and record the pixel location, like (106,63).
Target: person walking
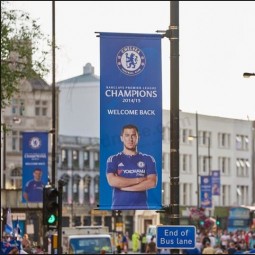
(151,247)
(143,242)
(208,249)
(135,241)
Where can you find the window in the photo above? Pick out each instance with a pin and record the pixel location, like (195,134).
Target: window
(41,108)
(242,195)
(204,164)
(186,163)
(242,142)
(246,143)
(186,194)
(18,106)
(224,140)
(224,165)
(87,180)
(242,167)
(204,138)
(86,158)
(16,141)
(96,159)
(225,195)
(16,180)
(96,190)
(185,135)
(75,159)
(64,158)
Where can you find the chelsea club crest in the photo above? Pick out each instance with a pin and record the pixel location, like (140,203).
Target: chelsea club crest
(35,142)
(130,60)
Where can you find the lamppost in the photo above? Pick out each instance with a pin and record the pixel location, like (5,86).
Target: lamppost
(197,157)
(248,75)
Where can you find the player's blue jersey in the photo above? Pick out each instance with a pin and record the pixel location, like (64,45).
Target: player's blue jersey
(130,166)
(34,190)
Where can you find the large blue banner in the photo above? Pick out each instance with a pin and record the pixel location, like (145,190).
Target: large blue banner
(206,191)
(130,121)
(35,166)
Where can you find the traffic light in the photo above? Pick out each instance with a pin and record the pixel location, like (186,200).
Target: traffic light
(50,206)
(116,213)
(201,223)
(217,222)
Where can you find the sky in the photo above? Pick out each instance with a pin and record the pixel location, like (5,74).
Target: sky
(216,46)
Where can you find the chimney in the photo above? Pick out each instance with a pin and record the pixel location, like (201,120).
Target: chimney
(88,69)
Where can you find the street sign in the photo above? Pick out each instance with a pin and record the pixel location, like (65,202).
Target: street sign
(176,237)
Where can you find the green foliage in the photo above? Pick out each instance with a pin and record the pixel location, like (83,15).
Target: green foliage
(21,38)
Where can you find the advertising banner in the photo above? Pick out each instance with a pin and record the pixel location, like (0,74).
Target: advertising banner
(206,192)
(35,166)
(130,121)
(215,182)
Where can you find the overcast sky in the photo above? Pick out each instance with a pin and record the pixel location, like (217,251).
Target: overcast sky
(217,45)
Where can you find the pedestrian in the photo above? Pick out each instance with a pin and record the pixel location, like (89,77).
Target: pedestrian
(208,249)
(135,241)
(119,243)
(143,242)
(26,244)
(14,250)
(125,243)
(151,247)
(252,241)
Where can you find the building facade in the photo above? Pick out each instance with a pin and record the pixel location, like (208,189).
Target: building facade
(29,110)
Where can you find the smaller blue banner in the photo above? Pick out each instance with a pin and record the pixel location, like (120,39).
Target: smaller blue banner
(215,182)
(35,166)
(176,237)
(206,192)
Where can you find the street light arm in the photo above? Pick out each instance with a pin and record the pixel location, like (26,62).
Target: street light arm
(247,75)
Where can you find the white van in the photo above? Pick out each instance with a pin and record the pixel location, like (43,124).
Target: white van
(151,231)
(87,244)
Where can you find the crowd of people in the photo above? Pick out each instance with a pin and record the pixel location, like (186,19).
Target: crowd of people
(19,245)
(224,242)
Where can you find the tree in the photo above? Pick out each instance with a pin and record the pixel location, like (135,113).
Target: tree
(21,38)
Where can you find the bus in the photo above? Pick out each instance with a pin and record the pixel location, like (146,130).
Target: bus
(241,218)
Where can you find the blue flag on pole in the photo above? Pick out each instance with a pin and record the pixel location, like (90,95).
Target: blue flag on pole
(17,230)
(206,191)
(35,166)
(130,121)
(9,226)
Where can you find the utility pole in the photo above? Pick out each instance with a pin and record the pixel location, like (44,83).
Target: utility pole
(197,154)
(53,153)
(174,115)
(173,35)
